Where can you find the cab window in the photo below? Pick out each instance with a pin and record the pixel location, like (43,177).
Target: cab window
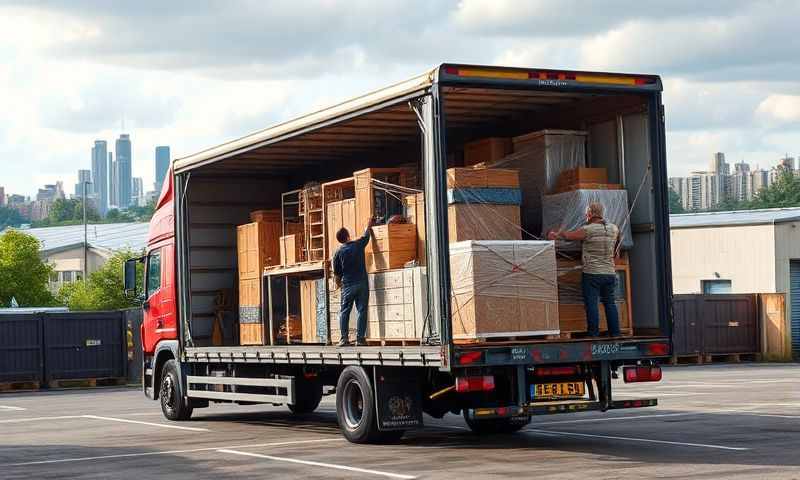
(153,272)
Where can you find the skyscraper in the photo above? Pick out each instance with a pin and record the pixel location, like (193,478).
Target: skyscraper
(124,160)
(162,165)
(100,174)
(2,197)
(719,166)
(137,191)
(83,176)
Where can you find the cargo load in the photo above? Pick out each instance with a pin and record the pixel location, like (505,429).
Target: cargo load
(567,211)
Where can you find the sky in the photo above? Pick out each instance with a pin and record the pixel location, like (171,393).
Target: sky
(191,74)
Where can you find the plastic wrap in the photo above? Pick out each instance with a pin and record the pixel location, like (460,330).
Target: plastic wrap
(540,158)
(503,288)
(567,211)
(495,196)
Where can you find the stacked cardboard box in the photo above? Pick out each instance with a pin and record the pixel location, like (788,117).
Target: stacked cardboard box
(503,289)
(483,204)
(257,247)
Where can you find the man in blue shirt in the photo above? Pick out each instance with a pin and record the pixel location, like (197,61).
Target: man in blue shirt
(350,273)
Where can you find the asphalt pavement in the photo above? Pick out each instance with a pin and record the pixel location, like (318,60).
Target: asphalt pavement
(713,422)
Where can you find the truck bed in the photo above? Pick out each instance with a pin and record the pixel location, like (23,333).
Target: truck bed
(506,353)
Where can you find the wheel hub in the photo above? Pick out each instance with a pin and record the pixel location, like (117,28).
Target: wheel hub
(353,404)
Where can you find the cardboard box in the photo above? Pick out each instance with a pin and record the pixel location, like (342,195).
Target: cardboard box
(487,150)
(483,222)
(482,178)
(503,289)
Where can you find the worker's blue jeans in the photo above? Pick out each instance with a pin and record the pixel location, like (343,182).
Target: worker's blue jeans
(598,285)
(357,293)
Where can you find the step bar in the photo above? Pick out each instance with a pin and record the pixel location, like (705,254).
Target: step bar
(287,384)
(552,408)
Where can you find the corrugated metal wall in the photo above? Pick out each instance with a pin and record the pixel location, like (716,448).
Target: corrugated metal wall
(716,324)
(21,357)
(794,299)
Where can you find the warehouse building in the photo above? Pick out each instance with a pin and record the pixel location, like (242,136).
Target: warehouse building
(754,251)
(62,247)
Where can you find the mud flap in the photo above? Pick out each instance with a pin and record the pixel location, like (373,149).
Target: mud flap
(398,399)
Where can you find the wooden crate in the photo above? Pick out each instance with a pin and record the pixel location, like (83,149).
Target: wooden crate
(483,222)
(391,246)
(340,214)
(291,247)
(503,289)
(588,186)
(365,193)
(257,247)
(415,212)
(250,291)
(482,178)
(487,150)
(273,215)
(251,333)
(308,311)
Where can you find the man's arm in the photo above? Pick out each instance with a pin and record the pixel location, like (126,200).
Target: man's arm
(364,240)
(337,269)
(573,235)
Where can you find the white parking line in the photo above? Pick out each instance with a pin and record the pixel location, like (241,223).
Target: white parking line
(318,464)
(162,425)
(611,419)
(168,452)
(634,439)
(38,419)
(8,407)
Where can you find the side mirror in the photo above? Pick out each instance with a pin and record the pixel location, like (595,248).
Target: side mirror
(129,281)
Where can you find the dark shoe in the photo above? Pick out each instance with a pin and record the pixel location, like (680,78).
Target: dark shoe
(360,342)
(343,343)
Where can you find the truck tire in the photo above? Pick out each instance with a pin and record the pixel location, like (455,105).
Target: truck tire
(355,409)
(173,402)
(495,425)
(308,394)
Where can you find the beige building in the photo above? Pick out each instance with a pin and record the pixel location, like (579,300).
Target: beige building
(756,251)
(62,247)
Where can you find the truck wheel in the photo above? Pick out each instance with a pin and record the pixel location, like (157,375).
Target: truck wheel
(308,393)
(495,425)
(355,407)
(173,403)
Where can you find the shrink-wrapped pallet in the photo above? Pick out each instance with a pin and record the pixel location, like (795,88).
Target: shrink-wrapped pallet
(567,211)
(503,289)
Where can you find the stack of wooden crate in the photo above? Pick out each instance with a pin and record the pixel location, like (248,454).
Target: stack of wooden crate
(487,150)
(483,204)
(257,247)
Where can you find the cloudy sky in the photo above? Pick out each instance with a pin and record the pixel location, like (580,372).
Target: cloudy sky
(191,74)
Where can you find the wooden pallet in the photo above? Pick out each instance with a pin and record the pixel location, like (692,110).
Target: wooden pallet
(18,386)
(690,359)
(700,359)
(87,382)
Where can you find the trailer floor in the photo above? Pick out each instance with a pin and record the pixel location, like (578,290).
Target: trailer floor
(714,421)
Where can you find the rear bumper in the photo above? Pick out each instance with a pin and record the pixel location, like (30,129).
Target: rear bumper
(551,408)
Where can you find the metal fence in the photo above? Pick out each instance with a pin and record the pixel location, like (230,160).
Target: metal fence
(49,347)
(716,324)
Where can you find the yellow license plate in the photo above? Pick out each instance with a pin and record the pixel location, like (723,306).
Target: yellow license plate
(558,390)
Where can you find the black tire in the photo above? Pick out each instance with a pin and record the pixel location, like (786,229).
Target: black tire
(496,425)
(355,409)
(173,401)
(308,394)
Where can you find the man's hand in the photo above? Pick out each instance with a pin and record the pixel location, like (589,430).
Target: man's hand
(338,281)
(371,222)
(553,234)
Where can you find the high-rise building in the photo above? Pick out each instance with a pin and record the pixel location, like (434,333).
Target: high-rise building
(100,174)
(719,166)
(137,191)
(124,161)
(84,176)
(759,180)
(741,183)
(2,197)
(162,165)
(787,163)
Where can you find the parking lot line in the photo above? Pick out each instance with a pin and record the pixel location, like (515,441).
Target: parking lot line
(634,439)
(162,425)
(610,419)
(9,407)
(318,464)
(169,452)
(38,419)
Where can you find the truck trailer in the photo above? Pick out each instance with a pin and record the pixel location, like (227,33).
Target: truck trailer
(382,390)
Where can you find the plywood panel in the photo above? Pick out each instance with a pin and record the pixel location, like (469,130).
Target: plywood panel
(483,222)
(257,247)
(482,178)
(251,333)
(291,248)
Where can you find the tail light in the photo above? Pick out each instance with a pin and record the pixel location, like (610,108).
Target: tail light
(467,358)
(642,374)
(483,383)
(658,349)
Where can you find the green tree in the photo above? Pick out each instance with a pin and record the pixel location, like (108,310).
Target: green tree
(103,290)
(10,218)
(23,274)
(784,192)
(675,205)
(62,210)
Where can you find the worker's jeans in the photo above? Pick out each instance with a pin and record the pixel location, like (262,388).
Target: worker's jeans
(598,285)
(359,294)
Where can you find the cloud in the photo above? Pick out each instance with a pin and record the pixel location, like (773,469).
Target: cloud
(780,109)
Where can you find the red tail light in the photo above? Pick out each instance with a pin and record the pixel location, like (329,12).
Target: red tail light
(642,374)
(467,358)
(482,383)
(658,349)
(556,371)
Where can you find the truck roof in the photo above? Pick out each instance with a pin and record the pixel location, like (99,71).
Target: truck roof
(568,80)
